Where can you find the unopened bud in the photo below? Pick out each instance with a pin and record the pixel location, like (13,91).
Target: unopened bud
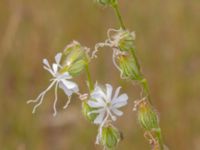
(110,137)
(74,59)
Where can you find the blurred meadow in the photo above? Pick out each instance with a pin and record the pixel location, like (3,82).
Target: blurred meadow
(167,46)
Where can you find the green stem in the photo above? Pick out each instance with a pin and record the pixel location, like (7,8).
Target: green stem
(145,87)
(118,14)
(142,81)
(160,140)
(90,83)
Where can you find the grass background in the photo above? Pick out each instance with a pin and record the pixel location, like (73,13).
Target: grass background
(167,46)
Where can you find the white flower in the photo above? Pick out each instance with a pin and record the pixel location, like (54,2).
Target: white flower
(106,104)
(59,80)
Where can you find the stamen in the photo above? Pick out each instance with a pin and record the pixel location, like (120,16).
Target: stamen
(40,97)
(42,94)
(56,99)
(68,102)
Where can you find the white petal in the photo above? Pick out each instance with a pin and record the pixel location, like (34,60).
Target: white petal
(46,62)
(65,89)
(109,90)
(55,68)
(121,98)
(117,93)
(94,104)
(120,104)
(99,118)
(65,76)
(58,58)
(98,93)
(117,112)
(70,85)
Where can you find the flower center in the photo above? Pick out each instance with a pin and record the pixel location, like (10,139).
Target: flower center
(108,104)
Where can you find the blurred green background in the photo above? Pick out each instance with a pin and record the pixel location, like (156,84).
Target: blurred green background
(168,48)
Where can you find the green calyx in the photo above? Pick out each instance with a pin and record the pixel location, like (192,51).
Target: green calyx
(74,59)
(147,117)
(110,137)
(129,67)
(86,109)
(126,41)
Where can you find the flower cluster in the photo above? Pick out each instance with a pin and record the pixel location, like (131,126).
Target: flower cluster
(101,105)
(106,106)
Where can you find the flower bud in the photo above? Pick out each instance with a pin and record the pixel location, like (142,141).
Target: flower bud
(106,2)
(147,116)
(125,40)
(110,137)
(74,59)
(129,67)
(86,109)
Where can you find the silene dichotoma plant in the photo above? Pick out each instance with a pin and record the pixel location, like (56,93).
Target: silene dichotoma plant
(102,104)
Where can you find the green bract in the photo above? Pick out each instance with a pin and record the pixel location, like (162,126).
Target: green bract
(110,137)
(86,109)
(147,117)
(74,59)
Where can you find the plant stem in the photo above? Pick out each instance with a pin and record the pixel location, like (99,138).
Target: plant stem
(90,83)
(145,87)
(160,139)
(118,14)
(143,82)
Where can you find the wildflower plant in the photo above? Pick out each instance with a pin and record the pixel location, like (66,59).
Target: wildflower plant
(102,104)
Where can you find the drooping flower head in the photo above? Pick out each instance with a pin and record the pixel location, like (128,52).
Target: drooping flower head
(66,66)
